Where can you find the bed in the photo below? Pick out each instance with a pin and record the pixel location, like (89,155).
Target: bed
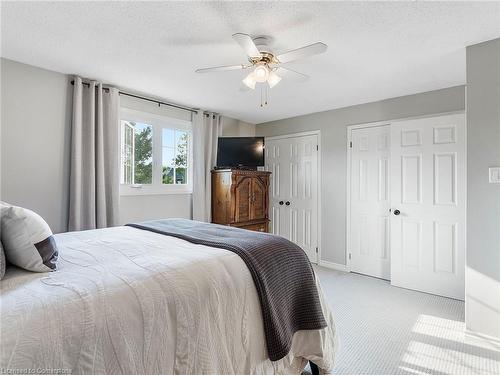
(130,301)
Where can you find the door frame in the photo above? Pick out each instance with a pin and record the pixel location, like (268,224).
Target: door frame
(298,135)
(352,127)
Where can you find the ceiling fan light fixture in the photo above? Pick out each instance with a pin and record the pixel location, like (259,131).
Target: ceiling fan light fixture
(250,81)
(261,73)
(273,79)
(265,63)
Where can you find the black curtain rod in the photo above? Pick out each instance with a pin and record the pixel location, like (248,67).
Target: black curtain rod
(194,110)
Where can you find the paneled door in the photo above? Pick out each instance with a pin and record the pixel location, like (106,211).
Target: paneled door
(370,201)
(293,201)
(428,204)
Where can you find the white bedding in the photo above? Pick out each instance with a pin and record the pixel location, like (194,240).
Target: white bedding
(128,301)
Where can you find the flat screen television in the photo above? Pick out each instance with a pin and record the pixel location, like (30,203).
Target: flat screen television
(240,152)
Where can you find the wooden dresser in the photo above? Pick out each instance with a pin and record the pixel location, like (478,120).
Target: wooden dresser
(240,198)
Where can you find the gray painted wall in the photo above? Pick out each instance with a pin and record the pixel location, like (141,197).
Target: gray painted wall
(35,138)
(483,209)
(236,128)
(334,149)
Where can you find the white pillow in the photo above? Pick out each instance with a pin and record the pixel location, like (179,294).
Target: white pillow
(27,240)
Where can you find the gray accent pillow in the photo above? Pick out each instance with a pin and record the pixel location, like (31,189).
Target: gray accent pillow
(2,262)
(27,239)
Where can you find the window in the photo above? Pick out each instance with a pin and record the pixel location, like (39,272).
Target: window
(155,154)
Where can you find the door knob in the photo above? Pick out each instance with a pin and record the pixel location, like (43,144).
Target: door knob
(281,203)
(397,212)
(287,203)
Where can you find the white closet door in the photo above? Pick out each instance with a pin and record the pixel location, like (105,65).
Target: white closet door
(370,201)
(277,162)
(293,162)
(428,204)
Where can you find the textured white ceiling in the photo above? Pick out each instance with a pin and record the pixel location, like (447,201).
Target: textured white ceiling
(376,50)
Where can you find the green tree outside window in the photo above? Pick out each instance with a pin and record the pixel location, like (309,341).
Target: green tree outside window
(143,149)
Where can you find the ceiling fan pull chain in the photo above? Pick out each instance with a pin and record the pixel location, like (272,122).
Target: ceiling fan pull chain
(261,96)
(267,94)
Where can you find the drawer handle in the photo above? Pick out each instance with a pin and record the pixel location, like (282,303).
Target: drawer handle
(287,203)
(281,203)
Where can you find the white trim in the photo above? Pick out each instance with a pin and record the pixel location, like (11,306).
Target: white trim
(466,206)
(333,266)
(319,187)
(132,190)
(481,336)
(295,135)
(348,201)
(369,125)
(378,123)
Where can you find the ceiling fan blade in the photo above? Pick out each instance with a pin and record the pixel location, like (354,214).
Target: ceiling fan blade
(301,53)
(221,68)
(245,41)
(290,73)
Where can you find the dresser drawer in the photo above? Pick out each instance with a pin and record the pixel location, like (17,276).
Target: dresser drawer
(258,227)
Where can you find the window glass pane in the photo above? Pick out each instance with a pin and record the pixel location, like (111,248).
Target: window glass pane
(168,175)
(143,154)
(168,159)
(168,156)
(174,156)
(181,143)
(181,175)
(127,153)
(137,153)
(168,138)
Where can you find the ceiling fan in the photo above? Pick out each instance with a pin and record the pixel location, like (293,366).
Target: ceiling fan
(267,66)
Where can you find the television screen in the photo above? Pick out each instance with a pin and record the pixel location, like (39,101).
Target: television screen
(240,152)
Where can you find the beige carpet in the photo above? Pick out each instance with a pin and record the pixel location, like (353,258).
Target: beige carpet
(385,330)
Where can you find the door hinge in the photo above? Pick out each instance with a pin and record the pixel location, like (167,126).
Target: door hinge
(349,256)
(316,249)
(350,144)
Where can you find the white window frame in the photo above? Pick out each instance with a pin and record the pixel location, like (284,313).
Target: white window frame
(158,123)
(122,139)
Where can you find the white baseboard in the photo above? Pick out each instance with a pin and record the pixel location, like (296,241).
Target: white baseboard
(483,337)
(333,266)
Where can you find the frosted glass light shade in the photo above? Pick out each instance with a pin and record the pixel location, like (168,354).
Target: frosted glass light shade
(250,81)
(273,79)
(261,73)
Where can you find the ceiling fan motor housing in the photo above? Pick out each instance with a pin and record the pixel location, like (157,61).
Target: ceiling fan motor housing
(262,44)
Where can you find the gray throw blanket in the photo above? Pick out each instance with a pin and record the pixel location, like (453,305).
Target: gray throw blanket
(281,271)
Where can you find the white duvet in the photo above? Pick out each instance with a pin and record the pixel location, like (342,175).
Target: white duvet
(128,301)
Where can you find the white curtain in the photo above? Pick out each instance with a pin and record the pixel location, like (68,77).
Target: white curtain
(206,130)
(94,176)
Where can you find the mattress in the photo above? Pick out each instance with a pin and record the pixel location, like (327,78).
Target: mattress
(128,301)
